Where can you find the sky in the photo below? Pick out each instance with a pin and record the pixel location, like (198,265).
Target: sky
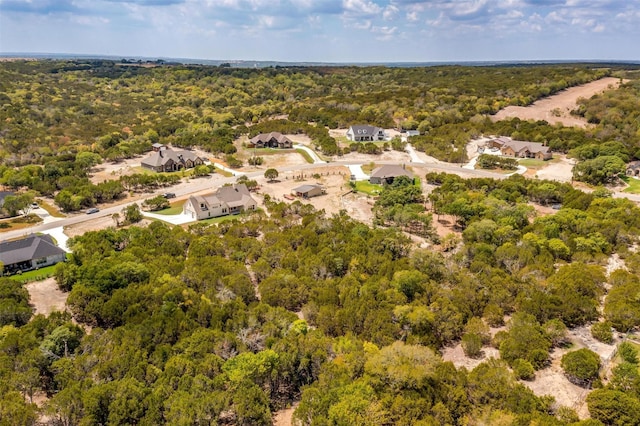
(326,30)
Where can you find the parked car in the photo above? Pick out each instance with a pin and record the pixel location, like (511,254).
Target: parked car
(93,210)
(169,195)
(35,206)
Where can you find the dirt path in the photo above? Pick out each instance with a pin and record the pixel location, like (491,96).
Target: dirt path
(557,108)
(284,417)
(46,297)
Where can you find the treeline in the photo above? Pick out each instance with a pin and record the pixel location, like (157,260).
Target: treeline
(56,106)
(202,326)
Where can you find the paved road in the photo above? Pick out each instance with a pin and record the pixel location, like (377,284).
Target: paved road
(210,183)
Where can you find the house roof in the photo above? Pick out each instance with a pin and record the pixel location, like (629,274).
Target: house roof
(29,248)
(3,195)
(519,146)
(305,188)
(157,145)
(265,137)
(233,196)
(364,130)
(162,157)
(391,170)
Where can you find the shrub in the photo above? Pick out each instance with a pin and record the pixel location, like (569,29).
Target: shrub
(581,366)
(601,331)
(628,352)
(472,345)
(523,369)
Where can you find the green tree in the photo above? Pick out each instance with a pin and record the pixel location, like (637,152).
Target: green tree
(132,213)
(614,407)
(271,174)
(581,366)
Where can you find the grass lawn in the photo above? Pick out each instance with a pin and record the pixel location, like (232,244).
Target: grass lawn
(50,209)
(634,185)
(532,163)
(368,188)
(180,173)
(36,274)
(19,222)
(305,155)
(225,218)
(176,208)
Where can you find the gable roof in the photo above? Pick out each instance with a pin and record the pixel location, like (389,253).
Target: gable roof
(305,188)
(162,157)
(29,248)
(391,170)
(364,129)
(233,196)
(519,146)
(266,137)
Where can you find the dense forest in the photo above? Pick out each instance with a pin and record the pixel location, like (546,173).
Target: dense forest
(203,325)
(228,323)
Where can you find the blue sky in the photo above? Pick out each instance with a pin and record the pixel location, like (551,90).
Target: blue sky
(327,30)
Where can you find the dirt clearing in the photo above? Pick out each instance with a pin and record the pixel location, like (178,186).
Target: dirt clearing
(46,297)
(557,108)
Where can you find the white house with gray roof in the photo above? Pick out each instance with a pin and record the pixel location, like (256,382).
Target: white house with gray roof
(32,252)
(366,133)
(226,200)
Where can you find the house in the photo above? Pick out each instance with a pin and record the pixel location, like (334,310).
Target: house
(387,173)
(32,252)
(520,149)
(226,200)
(168,160)
(366,133)
(308,191)
(270,140)
(633,168)
(3,195)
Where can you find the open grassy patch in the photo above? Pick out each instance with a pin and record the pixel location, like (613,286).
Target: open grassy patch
(176,208)
(226,218)
(368,188)
(633,185)
(36,274)
(54,212)
(20,222)
(535,164)
(305,155)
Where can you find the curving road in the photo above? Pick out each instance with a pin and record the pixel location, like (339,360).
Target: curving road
(210,183)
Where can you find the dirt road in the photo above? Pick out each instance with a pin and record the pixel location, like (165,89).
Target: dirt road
(557,108)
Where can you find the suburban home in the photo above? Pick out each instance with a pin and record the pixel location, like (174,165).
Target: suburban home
(366,133)
(5,194)
(387,173)
(308,191)
(633,169)
(226,200)
(32,252)
(168,160)
(270,140)
(520,149)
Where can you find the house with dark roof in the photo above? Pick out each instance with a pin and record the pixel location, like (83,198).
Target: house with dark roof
(366,133)
(308,191)
(633,168)
(387,173)
(168,160)
(226,200)
(521,149)
(32,252)
(5,194)
(270,140)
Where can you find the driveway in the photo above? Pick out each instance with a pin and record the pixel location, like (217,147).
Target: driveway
(312,153)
